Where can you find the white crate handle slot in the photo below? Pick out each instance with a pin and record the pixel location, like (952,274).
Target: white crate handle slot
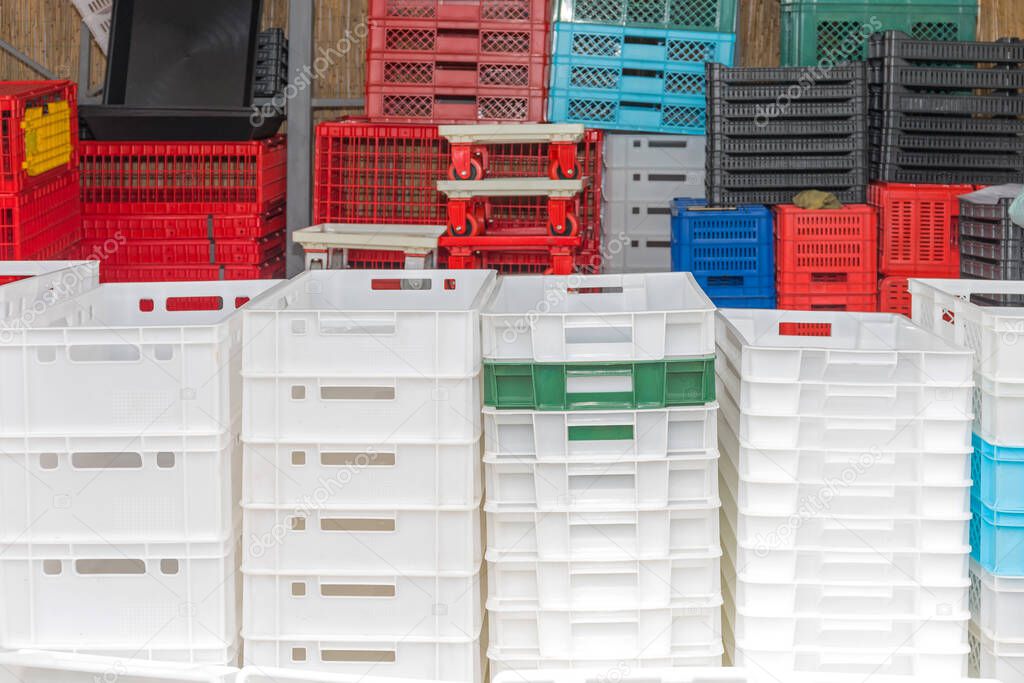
(369,324)
(862,390)
(598,381)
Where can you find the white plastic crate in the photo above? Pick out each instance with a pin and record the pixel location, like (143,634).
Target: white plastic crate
(820,432)
(623,220)
(97,16)
(348,323)
(642,184)
(513,485)
(606,436)
(1001,660)
(33,666)
(609,634)
(997,603)
(42,284)
(870,467)
(366,474)
(121,598)
(558,319)
(261,674)
(999,410)
(838,399)
(614,585)
(510,666)
(641,248)
(948,308)
(125,359)
(848,348)
(369,409)
(893,663)
(644,150)
(626,673)
(601,535)
(309,538)
(141,489)
(454,660)
(339,605)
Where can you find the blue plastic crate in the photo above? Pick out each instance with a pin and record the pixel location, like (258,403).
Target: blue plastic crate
(997,473)
(744,301)
(997,539)
(648,113)
(731,252)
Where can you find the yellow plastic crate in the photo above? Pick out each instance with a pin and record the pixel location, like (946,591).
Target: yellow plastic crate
(47,137)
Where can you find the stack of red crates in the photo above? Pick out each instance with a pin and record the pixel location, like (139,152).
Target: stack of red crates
(918,237)
(387,173)
(165,211)
(437,61)
(40,210)
(826,260)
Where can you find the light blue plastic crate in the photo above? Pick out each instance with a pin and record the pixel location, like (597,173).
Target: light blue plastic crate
(997,539)
(997,473)
(656,48)
(649,113)
(628,77)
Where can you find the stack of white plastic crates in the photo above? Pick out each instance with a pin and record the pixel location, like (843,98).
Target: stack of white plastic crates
(119,468)
(988,318)
(362,486)
(601,473)
(642,175)
(845,442)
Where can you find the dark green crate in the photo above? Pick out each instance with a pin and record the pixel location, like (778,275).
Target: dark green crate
(822,31)
(544,386)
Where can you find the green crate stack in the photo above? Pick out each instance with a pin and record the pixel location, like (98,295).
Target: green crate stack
(833,31)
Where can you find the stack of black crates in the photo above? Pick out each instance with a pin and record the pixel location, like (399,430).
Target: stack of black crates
(991,245)
(946,112)
(271,71)
(774,132)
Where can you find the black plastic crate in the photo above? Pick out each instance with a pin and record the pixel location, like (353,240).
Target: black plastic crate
(945,125)
(787,84)
(776,163)
(894,98)
(993,250)
(788,145)
(981,269)
(1000,230)
(856,194)
(948,160)
(894,173)
(999,300)
(899,44)
(786,75)
(991,205)
(898,73)
(803,179)
(782,128)
(950,143)
(853,108)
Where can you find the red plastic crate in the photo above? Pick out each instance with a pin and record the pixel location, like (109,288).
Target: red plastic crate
(864,303)
(477,41)
(830,251)
(893,295)
(15,98)
(182,227)
(42,222)
(7,279)
(183,178)
(273,269)
(918,231)
(450,74)
(467,11)
(189,251)
(421,104)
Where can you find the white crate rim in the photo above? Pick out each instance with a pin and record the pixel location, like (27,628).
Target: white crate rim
(176,672)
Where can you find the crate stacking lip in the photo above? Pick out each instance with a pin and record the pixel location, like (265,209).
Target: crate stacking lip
(988,230)
(38,132)
(893,173)
(272,269)
(913,140)
(43,222)
(183,252)
(217,227)
(475,13)
(695,15)
(729,197)
(991,205)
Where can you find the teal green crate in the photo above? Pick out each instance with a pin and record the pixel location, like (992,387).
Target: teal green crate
(822,31)
(605,386)
(694,15)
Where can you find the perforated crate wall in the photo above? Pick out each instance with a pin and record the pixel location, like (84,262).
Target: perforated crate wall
(697,15)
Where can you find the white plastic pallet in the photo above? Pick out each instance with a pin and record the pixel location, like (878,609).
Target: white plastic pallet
(370,408)
(119,360)
(453,660)
(604,534)
(835,463)
(820,432)
(102,489)
(34,666)
(612,634)
(1001,660)
(997,603)
(992,332)
(616,585)
(644,248)
(642,184)
(514,485)
(640,150)
(340,605)
(352,323)
(320,538)
(558,319)
(998,410)
(44,283)
(121,598)
(856,349)
(555,437)
(366,474)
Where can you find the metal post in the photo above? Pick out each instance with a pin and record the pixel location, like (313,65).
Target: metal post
(84,62)
(300,125)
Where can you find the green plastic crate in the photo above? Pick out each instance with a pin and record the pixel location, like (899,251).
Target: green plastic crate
(695,15)
(814,31)
(545,386)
